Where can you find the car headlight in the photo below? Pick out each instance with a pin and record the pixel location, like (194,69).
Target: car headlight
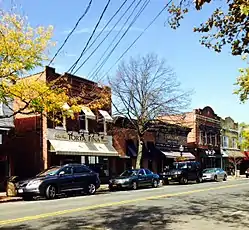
(34,184)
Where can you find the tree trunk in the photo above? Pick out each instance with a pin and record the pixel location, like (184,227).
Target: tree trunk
(139,152)
(235,168)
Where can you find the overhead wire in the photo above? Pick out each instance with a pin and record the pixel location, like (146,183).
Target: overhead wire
(109,32)
(90,38)
(96,71)
(132,44)
(71,32)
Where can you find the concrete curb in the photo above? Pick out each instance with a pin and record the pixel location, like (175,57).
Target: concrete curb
(10,199)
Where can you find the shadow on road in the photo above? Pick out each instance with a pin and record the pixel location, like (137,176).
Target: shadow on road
(231,210)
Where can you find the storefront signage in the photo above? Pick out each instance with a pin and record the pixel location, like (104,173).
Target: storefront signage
(75,137)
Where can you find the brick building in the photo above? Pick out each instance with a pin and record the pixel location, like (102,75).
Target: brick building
(40,142)
(204,138)
(160,145)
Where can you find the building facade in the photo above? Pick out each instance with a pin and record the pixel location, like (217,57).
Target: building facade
(161,145)
(204,138)
(229,143)
(40,142)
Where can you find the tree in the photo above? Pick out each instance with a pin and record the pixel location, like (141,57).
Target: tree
(144,89)
(227,25)
(22,49)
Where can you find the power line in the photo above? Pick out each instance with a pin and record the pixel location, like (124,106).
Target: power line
(155,18)
(71,32)
(106,35)
(112,50)
(100,18)
(95,70)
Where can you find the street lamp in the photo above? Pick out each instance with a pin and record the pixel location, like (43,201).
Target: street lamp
(181,149)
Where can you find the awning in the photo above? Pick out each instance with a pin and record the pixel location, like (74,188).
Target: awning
(186,155)
(81,148)
(88,113)
(232,154)
(107,117)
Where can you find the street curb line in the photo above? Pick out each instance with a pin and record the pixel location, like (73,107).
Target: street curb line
(68,211)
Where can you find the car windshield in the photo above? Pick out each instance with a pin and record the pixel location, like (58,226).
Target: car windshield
(49,172)
(209,170)
(181,165)
(129,173)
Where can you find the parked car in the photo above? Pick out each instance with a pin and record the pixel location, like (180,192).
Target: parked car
(183,172)
(59,179)
(134,178)
(214,174)
(247,173)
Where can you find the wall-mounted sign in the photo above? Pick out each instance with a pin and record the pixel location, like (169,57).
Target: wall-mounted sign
(75,137)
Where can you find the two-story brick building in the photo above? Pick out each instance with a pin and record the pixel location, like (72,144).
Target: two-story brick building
(161,145)
(204,138)
(229,143)
(40,142)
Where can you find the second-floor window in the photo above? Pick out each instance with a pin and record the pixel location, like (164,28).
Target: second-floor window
(225,142)
(234,143)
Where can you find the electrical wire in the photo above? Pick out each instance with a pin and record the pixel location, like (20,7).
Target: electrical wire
(111,30)
(93,75)
(90,38)
(71,32)
(146,28)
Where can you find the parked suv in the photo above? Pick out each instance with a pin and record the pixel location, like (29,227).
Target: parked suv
(183,172)
(59,179)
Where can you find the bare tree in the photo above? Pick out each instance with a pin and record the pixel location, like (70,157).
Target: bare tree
(144,89)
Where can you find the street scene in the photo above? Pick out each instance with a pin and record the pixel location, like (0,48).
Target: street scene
(196,206)
(124,114)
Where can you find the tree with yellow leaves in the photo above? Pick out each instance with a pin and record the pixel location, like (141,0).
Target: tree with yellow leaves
(22,49)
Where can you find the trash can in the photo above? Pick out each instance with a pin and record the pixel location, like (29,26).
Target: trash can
(11,186)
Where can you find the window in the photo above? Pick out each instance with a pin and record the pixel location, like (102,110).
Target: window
(1,109)
(201,137)
(141,172)
(82,121)
(148,172)
(205,139)
(67,170)
(234,143)
(213,139)
(80,170)
(225,142)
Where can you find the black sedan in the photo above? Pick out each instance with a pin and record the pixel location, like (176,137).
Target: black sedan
(56,180)
(133,179)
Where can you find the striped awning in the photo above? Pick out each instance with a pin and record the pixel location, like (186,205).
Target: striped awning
(82,148)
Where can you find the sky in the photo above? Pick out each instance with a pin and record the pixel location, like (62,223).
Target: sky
(210,75)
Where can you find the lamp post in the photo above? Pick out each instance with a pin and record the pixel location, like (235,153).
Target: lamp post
(181,149)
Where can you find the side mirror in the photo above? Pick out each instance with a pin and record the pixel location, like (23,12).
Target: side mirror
(62,173)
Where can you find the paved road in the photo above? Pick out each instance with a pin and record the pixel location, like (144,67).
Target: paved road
(205,206)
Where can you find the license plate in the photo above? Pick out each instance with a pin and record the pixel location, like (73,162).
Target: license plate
(20,190)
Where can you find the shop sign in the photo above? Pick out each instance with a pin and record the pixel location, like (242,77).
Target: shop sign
(74,136)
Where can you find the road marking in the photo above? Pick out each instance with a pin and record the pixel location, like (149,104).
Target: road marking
(68,211)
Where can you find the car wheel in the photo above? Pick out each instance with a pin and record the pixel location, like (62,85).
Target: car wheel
(183,180)
(199,179)
(111,188)
(91,189)
(51,192)
(27,198)
(247,175)
(225,178)
(215,178)
(134,185)
(154,183)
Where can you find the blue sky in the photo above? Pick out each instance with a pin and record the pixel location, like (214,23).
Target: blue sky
(211,75)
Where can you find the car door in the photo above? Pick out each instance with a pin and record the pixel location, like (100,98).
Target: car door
(141,178)
(81,176)
(149,177)
(66,180)
(191,171)
(221,174)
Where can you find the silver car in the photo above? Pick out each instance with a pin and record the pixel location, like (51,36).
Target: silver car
(214,174)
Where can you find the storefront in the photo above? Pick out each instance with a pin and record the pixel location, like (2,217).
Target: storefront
(94,150)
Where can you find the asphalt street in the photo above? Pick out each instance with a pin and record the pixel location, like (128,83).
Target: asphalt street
(220,205)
